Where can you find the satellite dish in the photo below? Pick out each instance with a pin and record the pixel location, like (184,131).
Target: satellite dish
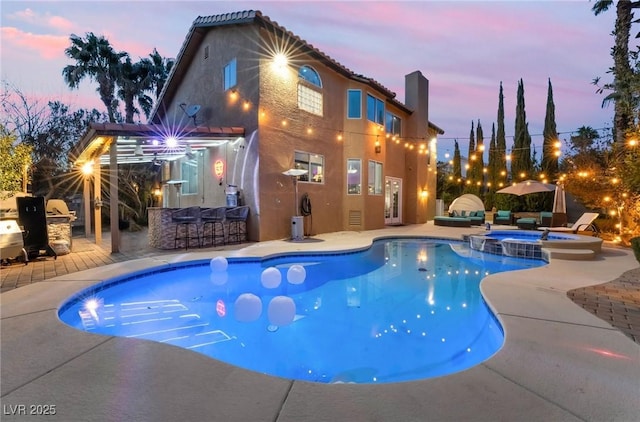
(192,110)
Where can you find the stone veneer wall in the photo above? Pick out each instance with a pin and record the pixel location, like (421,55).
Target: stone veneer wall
(162,230)
(59,233)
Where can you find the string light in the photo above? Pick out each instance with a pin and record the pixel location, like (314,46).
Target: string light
(409,142)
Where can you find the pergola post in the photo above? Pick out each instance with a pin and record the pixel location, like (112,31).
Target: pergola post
(113,197)
(97,208)
(86,200)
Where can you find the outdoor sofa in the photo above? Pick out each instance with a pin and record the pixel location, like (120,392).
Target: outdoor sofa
(452,221)
(476,217)
(461,219)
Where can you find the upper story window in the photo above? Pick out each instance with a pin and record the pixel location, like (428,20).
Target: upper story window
(393,124)
(375,109)
(309,91)
(354,104)
(313,164)
(230,75)
(308,74)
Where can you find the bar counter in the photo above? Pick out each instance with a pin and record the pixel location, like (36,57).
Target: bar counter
(162,230)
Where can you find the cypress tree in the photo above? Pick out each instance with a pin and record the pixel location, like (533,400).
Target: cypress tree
(457,162)
(501,142)
(494,163)
(472,151)
(521,154)
(479,162)
(550,133)
(472,177)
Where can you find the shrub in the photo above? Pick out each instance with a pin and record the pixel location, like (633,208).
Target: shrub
(635,245)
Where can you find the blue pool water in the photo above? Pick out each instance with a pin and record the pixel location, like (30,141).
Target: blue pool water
(401,310)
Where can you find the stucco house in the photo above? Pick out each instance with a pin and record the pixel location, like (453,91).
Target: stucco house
(272,102)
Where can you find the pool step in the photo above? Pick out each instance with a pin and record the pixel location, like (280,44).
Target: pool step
(568,254)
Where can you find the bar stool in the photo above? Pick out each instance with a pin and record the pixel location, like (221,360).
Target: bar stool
(186,218)
(213,218)
(237,218)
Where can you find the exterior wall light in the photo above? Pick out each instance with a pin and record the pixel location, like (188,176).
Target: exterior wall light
(280,61)
(87,168)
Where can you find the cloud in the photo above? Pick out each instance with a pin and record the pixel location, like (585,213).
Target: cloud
(44,21)
(60,24)
(44,46)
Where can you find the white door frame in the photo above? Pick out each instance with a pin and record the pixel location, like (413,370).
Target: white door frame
(392,185)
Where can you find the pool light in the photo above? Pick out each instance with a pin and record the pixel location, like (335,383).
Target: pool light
(91,306)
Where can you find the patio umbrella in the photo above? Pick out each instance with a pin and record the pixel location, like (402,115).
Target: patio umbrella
(527,187)
(559,202)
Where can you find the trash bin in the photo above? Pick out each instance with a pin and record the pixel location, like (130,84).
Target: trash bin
(297,228)
(232,195)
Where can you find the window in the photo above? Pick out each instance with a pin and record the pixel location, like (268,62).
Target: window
(354,104)
(309,100)
(313,164)
(206,52)
(189,173)
(375,109)
(375,178)
(230,75)
(309,90)
(393,124)
(354,176)
(306,73)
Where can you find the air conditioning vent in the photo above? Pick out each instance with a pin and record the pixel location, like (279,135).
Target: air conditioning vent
(355,218)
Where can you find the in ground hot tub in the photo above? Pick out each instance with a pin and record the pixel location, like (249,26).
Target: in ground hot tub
(516,243)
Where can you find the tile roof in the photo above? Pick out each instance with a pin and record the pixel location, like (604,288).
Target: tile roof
(202,23)
(249,16)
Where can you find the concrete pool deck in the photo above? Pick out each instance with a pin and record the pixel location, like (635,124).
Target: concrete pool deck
(558,363)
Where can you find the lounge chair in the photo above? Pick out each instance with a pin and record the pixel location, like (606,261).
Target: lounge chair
(527,223)
(502,217)
(546,218)
(584,223)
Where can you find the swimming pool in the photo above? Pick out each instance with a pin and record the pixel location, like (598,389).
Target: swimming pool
(403,309)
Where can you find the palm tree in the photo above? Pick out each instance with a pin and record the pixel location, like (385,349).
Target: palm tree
(160,68)
(622,71)
(98,61)
(135,80)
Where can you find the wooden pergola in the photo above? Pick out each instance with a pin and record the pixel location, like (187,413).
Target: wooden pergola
(111,144)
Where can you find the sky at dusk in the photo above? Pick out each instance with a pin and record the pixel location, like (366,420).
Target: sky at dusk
(464,48)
